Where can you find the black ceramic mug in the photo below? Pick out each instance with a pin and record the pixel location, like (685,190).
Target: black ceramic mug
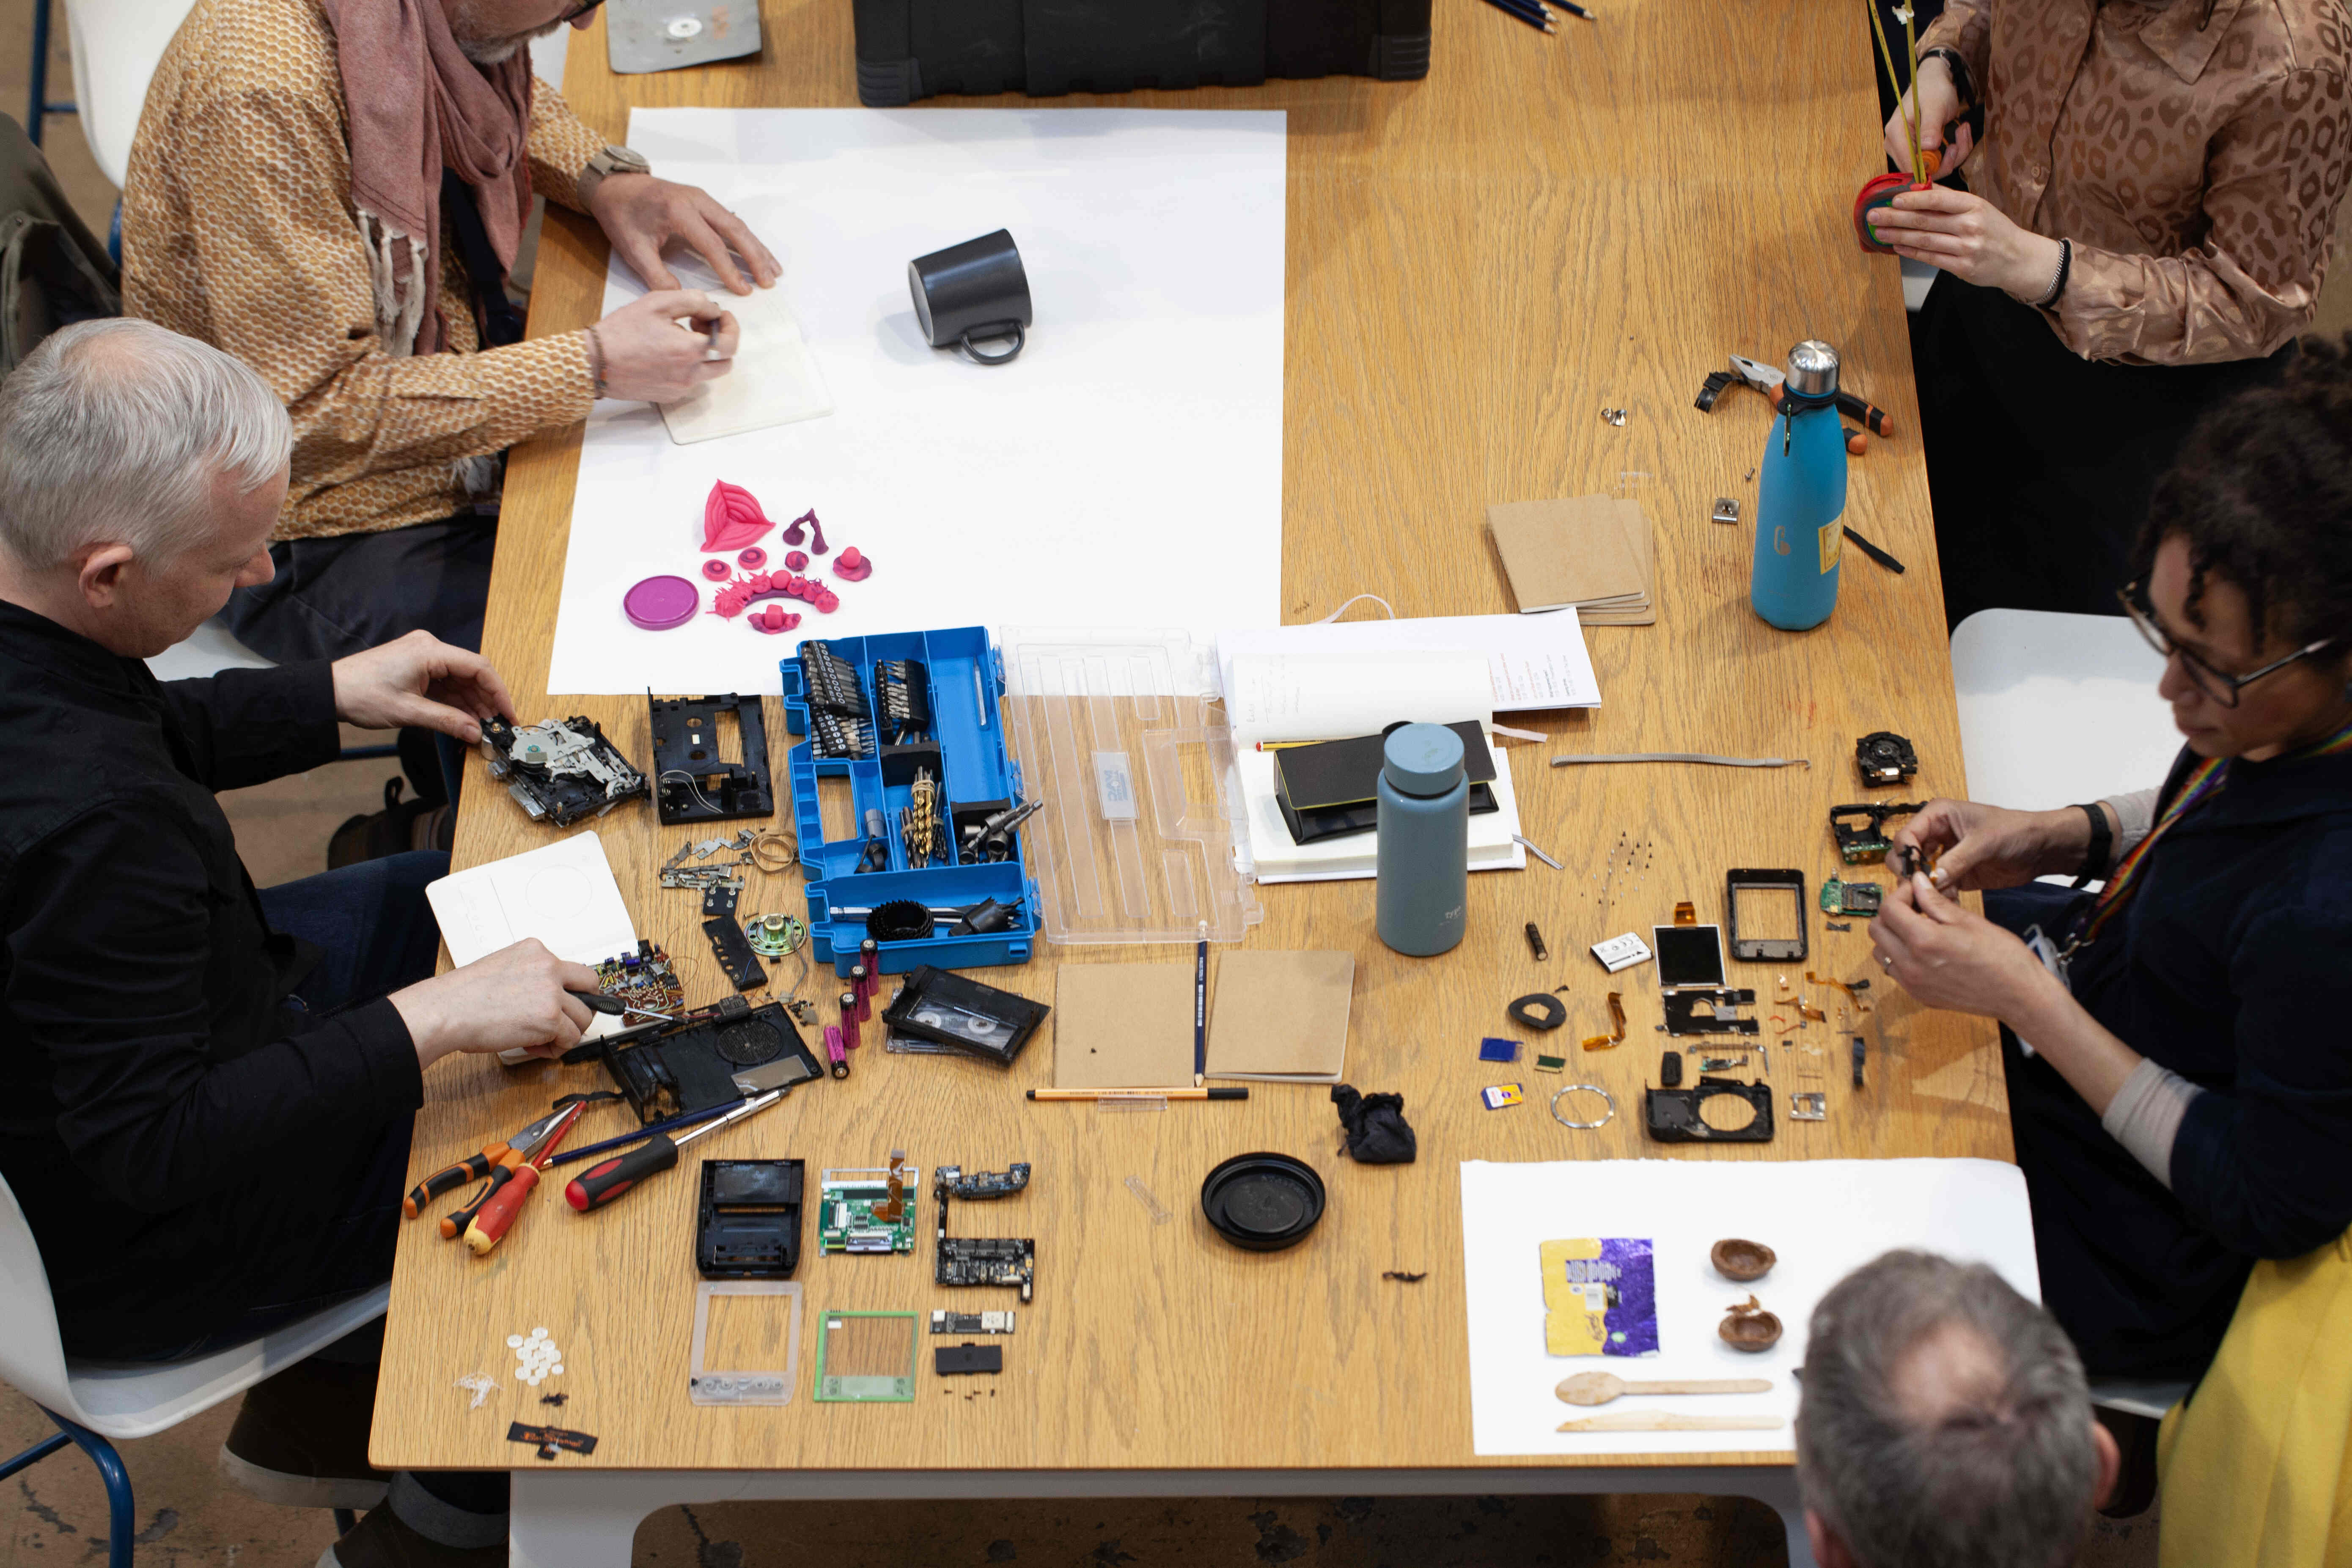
(976,289)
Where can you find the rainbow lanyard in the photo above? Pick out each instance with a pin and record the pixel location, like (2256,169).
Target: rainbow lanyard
(2202,784)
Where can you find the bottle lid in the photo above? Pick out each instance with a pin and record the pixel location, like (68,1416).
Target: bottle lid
(1813,369)
(1422,759)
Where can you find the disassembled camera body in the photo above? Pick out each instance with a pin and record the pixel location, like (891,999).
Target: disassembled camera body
(559,771)
(1672,1115)
(1765,950)
(1861,828)
(691,784)
(1885,758)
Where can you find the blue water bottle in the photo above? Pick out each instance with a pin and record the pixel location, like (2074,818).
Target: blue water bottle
(1799,537)
(1420,905)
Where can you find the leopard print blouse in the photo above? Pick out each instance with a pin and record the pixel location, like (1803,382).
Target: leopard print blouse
(2193,153)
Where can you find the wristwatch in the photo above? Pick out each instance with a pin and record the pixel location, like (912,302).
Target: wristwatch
(610,160)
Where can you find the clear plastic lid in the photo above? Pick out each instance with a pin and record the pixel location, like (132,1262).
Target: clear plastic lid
(1119,734)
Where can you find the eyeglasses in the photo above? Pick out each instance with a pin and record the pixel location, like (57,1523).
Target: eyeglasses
(2220,687)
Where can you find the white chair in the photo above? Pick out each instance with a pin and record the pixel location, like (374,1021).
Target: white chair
(2056,708)
(116,45)
(93,1401)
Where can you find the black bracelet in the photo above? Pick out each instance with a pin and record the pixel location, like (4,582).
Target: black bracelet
(2096,858)
(1962,82)
(2058,283)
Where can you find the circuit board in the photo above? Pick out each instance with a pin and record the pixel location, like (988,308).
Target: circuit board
(1007,1261)
(1839,898)
(946,1322)
(645,983)
(869,1211)
(981,1184)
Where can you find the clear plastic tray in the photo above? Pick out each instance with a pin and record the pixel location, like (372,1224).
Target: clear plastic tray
(1119,734)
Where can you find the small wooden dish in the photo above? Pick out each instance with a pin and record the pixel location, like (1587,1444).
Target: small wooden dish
(1742,1260)
(1747,1326)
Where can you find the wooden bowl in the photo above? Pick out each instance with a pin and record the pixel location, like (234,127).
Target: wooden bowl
(1748,1327)
(1742,1260)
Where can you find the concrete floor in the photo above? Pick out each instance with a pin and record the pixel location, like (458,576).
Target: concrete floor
(56,1514)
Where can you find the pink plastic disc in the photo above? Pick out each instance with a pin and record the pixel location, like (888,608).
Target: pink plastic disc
(657,604)
(852,567)
(717,571)
(752,559)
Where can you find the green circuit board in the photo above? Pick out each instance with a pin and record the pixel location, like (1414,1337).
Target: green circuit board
(869,1211)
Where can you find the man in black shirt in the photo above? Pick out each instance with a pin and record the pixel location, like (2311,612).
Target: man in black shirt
(204,1116)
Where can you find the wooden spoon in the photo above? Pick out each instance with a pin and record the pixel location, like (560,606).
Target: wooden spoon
(1661,1421)
(1600,1387)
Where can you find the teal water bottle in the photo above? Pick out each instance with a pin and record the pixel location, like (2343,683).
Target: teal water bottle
(1802,498)
(1420,905)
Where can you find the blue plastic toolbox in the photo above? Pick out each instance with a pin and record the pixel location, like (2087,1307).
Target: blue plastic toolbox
(961,745)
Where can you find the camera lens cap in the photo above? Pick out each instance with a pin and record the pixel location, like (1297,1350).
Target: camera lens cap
(1262,1203)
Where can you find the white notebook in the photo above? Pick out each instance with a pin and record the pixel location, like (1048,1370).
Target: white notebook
(564,894)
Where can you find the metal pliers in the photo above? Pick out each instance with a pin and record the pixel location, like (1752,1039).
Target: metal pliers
(492,1167)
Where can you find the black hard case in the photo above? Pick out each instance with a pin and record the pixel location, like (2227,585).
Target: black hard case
(909,49)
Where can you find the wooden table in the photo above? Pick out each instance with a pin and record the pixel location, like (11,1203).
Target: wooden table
(1478,263)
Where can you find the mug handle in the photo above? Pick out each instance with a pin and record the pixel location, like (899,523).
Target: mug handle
(1020,341)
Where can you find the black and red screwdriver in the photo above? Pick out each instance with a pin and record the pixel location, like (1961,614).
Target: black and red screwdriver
(608,1179)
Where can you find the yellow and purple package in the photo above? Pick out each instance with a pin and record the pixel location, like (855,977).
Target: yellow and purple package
(1600,1298)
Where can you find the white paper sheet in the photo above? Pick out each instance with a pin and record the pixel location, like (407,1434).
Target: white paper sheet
(1126,469)
(774,379)
(1535,661)
(562,893)
(1272,855)
(1824,1217)
(1334,696)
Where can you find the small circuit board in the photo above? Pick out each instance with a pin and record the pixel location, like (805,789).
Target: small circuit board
(645,983)
(989,1260)
(946,1322)
(981,1184)
(870,1211)
(1840,898)
(560,770)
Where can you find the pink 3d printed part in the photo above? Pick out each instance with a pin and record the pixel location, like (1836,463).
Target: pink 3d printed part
(752,559)
(731,600)
(658,604)
(797,559)
(717,571)
(816,531)
(852,567)
(731,517)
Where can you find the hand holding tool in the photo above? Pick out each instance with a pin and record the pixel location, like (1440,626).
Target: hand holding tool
(497,1213)
(608,1179)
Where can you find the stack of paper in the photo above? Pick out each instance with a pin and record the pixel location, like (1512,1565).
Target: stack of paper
(562,893)
(1594,552)
(1123,1026)
(1332,696)
(1281,1016)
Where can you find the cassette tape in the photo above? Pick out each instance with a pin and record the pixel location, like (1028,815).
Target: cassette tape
(935,1004)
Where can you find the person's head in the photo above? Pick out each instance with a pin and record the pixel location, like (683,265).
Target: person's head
(2246,561)
(1943,1423)
(490,31)
(141,475)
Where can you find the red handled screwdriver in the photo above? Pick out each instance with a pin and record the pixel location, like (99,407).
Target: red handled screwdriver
(496,1214)
(608,1179)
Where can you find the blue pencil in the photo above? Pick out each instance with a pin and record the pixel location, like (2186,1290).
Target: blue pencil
(1532,14)
(641,1133)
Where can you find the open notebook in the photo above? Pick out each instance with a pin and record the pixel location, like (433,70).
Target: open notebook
(562,893)
(1330,696)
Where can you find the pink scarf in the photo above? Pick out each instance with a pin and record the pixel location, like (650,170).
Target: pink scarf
(416,105)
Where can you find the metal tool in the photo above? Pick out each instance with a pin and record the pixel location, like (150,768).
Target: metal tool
(477,1167)
(496,1215)
(601,1183)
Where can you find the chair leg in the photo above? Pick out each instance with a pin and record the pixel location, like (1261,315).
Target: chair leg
(122,1523)
(34,1455)
(40,72)
(346,1521)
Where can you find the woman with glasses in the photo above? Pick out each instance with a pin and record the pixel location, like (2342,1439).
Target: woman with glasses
(2178,1060)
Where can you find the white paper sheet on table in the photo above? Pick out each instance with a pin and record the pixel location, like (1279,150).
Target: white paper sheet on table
(1535,661)
(1824,1217)
(1126,469)
(562,893)
(774,379)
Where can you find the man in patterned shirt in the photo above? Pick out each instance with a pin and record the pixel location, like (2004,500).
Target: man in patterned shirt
(332,191)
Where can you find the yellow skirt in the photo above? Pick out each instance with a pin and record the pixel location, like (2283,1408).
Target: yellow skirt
(2256,1469)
